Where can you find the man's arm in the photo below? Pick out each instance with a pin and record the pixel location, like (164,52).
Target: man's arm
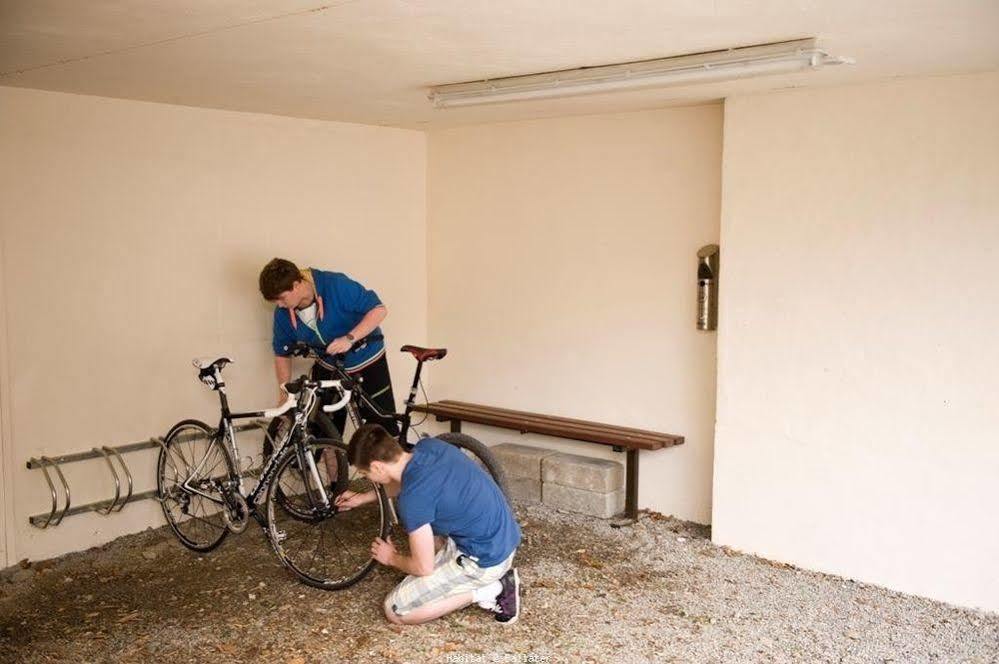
(281,340)
(371,320)
(282,370)
(421,547)
(348,500)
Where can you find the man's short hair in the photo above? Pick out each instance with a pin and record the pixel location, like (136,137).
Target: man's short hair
(371,442)
(277,277)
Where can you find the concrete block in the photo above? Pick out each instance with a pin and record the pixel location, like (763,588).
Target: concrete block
(603,505)
(520,460)
(581,472)
(524,489)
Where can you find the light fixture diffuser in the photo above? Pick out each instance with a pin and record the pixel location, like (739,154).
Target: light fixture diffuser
(734,63)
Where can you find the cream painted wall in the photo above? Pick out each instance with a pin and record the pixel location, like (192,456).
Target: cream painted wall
(562,268)
(132,236)
(6,463)
(858,363)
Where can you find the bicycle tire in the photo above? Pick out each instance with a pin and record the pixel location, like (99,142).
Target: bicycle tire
(482,455)
(361,524)
(170,440)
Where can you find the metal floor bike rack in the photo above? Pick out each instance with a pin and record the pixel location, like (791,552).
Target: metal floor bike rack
(55,516)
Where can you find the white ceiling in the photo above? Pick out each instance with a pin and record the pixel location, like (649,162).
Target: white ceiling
(371,61)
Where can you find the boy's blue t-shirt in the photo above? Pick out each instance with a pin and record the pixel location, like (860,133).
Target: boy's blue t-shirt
(443,487)
(345,303)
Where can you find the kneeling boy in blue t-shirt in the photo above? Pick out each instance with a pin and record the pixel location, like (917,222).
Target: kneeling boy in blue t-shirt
(441,492)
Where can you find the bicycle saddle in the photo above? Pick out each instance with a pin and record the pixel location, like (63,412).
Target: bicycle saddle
(208,362)
(424,354)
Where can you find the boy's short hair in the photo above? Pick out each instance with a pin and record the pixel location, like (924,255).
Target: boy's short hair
(277,277)
(371,442)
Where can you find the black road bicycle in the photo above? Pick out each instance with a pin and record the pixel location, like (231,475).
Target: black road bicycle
(201,485)
(360,404)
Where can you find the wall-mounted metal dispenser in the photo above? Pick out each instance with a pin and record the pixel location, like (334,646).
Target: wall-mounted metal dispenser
(707,287)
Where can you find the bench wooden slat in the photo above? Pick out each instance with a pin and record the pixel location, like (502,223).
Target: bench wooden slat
(561,427)
(611,429)
(595,432)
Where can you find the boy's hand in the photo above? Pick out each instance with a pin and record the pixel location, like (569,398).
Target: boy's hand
(339,345)
(383,551)
(351,499)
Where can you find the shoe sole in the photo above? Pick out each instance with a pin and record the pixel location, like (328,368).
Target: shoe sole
(516,596)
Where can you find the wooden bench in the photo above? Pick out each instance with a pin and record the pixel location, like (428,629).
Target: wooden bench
(619,438)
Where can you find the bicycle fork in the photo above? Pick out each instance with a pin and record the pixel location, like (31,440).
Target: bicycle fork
(309,463)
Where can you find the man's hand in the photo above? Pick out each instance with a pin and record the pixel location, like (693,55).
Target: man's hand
(350,499)
(383,551)
(421,546)
(339,345)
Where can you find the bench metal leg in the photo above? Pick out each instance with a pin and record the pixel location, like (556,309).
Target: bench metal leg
(455,426)
(631,485)
(630,515)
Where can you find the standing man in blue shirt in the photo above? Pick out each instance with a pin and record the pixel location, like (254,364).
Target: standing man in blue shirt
(328,310)
(443,493)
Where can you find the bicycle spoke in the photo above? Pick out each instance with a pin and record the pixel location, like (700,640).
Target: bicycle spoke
(209,471)
(303,529)
(343,546)
(169,459)
(315,551)
(180,446)
(207,523)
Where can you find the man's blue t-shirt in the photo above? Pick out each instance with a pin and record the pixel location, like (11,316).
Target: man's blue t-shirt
(345,303)
(443,487)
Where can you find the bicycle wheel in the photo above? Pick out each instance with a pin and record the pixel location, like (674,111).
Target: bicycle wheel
(323,547)
(191,465)
(332,458)
(481,455)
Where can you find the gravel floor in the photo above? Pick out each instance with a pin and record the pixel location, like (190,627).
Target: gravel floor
(657,591)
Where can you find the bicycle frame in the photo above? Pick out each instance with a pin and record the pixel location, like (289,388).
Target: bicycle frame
(227,434)
(404,419)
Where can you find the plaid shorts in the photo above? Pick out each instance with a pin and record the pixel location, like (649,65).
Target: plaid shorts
(454,573)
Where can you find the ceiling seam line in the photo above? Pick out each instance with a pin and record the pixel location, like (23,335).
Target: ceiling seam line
(159,42)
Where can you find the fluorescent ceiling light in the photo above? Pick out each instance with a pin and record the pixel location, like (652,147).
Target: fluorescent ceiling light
(733,63)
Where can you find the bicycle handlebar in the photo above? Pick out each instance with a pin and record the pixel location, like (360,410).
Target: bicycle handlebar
(302,349)
(294,387)
(345,383)
(289,403)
